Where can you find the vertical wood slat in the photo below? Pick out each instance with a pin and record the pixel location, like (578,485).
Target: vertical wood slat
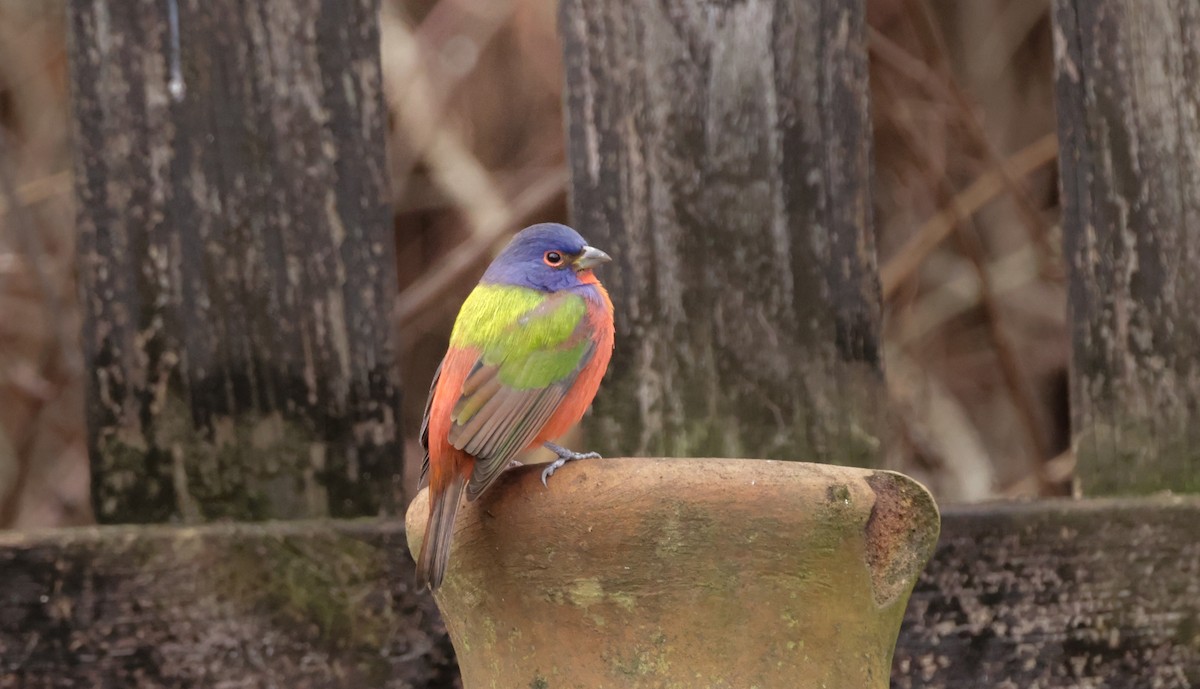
(721,153)
(236,263)
(1129,123)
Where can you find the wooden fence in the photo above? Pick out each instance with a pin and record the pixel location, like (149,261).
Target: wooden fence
(234,262)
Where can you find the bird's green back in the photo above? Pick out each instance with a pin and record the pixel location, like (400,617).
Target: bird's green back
(533,341)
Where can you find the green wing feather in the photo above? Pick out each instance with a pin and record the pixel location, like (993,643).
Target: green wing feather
(532,346)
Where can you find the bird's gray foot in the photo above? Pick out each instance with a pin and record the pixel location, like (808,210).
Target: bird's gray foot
(564,456)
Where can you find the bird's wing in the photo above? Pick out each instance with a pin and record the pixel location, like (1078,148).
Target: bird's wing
(519,380)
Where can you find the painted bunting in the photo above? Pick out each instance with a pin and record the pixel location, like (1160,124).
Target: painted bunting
(526,356)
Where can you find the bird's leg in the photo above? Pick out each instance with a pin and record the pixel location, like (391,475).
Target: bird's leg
(564,456)
(513,464)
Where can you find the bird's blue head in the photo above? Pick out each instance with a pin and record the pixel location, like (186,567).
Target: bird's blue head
(548,257)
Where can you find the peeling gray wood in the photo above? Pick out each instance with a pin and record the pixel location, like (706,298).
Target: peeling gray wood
(1129,126)
(721,153)
(1098,594)
(235,257)
(305,605)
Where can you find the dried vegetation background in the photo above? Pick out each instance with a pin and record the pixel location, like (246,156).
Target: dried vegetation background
(966,212)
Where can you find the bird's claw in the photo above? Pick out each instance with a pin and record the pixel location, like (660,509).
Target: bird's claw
(549,470)
(564,456)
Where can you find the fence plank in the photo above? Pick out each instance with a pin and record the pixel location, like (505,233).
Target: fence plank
(1090,594)
(1099,593)
(720,151)
(235,258)
(1127,101)
(301,604)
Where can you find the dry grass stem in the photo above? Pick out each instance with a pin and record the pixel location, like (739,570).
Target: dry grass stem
(986,188)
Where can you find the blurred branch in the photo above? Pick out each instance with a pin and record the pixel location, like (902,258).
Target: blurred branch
(1059,470)
(1023,395)
(58,184)
(960,292)
(462,19)
(941,82)
(1023,398)
(966,203)
(452,167)
(938,431)
(28,242)
(1014,24)
(906,63)
(443,276)
(417,87)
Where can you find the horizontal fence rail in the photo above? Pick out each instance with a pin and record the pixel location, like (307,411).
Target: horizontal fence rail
(1098,593)
(1094,593)
(297,604)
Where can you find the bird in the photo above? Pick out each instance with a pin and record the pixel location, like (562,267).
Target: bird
(527,352)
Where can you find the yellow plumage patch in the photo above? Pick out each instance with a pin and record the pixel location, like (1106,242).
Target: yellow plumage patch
(523,331)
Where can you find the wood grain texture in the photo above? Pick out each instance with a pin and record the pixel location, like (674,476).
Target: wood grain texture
(235,258)
(1097,594)
(300,605)
(1129,126)
(720,152)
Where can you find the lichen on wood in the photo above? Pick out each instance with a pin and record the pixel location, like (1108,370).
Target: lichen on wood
(1127,97)
(721,153)
(235,259)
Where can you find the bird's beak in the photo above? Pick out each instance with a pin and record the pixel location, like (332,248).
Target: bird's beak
(590,258)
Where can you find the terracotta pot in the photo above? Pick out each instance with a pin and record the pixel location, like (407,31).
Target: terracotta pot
(689,573)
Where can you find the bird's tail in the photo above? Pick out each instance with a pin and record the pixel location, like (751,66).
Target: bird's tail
(435,548)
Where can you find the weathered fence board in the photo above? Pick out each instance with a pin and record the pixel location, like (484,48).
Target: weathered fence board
(1128,98)
(1090,594)
(720,152)
(297,605)
(236,259)
(1102,593)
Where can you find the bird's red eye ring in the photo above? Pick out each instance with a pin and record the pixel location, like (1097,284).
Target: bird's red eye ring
(553,259)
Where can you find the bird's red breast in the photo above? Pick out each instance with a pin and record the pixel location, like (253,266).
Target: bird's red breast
(583,391)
